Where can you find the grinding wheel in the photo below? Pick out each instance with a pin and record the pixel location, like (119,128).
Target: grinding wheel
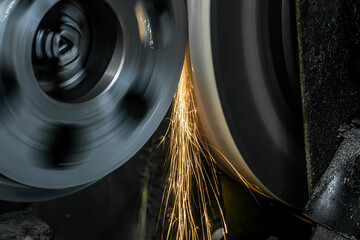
(244,61)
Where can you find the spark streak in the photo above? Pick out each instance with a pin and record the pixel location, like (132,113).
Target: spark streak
(188,180)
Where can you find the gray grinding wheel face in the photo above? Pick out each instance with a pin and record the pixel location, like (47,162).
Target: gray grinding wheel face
(83,84)
(244,61)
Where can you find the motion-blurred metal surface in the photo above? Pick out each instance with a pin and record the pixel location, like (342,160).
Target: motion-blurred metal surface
(244,57)
(84,84)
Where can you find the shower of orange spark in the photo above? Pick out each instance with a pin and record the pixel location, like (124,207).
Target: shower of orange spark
(188,156)
(188,180)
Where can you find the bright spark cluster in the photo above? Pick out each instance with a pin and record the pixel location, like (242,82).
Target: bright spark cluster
(189,185)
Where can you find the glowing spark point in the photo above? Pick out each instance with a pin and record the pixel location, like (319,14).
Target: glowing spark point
(188,180)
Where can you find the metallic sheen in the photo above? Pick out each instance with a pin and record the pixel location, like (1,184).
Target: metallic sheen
(81,91)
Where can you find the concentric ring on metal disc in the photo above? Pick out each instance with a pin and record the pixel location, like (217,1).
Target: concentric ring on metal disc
(244,65)
(15,192)
(84,84)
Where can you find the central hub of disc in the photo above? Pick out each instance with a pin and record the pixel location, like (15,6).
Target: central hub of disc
(64,61)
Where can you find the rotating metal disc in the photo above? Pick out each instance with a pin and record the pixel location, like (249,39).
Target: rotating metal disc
(84,84)
(244,60)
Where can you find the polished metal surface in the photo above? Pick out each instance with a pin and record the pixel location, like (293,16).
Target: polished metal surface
(84,84)
(248,91)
